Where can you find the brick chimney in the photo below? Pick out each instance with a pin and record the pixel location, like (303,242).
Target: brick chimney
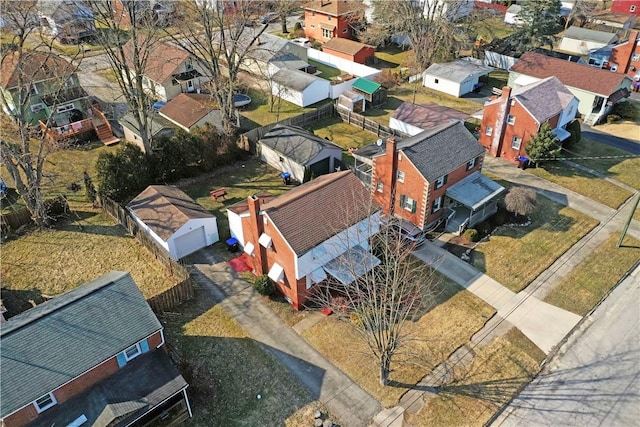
(256,228)
(389,177)
(500,123)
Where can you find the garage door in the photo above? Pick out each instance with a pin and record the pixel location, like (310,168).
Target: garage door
(320,168)
(190,242)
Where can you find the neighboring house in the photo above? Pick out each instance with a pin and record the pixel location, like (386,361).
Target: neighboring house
(350,50)
(512,120)
(451,10)
(583,40)
(168,71)
(455,78)
(611,19)
(53,98)
(299,152)
(626,6)
(159,127)
(70,21)
(597,90)
(159,11)
(174,220)
(299,88)
(432,177)
(511,15)
(190,110)
(268,49)
(308,233)
(374,94)
(92,356)
(623,58)
(326,19)
(413,118)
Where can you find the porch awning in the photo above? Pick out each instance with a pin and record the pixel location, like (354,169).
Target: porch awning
(618,95)
(318,275)
(562,134)
(276,273)
(249,248)
(474,190)
(327,27)
(352,264)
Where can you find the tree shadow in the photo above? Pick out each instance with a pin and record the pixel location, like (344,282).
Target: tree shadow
(16,301)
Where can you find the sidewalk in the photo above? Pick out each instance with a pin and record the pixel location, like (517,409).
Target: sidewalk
(345,399)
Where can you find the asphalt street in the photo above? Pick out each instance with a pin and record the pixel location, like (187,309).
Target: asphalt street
(632,147)
(596,381)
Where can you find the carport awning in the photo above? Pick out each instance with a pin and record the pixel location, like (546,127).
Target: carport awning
(352,264)
(318,275)
(474,190)
(562,134)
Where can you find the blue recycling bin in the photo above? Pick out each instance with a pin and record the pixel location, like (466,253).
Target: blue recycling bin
(286,178)
(232,244)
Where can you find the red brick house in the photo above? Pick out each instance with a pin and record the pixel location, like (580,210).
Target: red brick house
(304,235)
(326,19)
(625,57)
(350,50)
(511,120)
(431,177)
(626,6)
(92,356)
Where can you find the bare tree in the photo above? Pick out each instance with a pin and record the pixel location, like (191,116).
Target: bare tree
(580,11)
(521,201)
(284,8)
(34,72)
(128,32)
(384,298)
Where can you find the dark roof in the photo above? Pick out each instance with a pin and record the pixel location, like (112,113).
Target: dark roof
(333,7)
(55,342)
(65,10)
(427,115)
(294,79)
(346,46)
(439,151)
(296,143)
(158,124)
(165,209)
(187,109)
(32,67)
(580,76)
(302,217)
(560,55)
(134,390)
(543,99)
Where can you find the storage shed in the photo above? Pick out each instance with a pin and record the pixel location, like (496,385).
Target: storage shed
(374,93)
(174,220)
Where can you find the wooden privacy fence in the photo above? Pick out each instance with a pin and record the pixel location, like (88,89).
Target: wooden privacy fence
(368,124)
(179,293)
(16,219)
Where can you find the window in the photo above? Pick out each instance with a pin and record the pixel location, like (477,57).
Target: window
(188,65)
(515,143)
(37,107)
(33,90)
(66,107)
(344,30)
(436,81)
(400,176)
(513,102)
(326,33)
(511,119)
(488,131)
(45,402)
(379,187)
(281,159)
(407,203)
(313,26)
(329,18)
(614,68)
(632,8)
(635,57)
(441,181)
(436,205)
(132,352)
(471,164)
(313,13)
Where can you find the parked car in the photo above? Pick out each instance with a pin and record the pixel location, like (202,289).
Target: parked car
(269,18)
(302,42)
(409,234)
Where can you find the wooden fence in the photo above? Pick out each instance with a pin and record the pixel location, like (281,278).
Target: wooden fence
(179,293)
(16,219)
(367,124)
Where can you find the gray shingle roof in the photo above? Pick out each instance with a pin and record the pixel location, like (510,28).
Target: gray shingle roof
(299,145)
(294,79)
(440,150)
(544,99)
(586,34)
(458,70)
(57,341)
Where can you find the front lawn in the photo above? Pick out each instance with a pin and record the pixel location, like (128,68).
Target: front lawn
(515,256)
(586,284)
(457,315)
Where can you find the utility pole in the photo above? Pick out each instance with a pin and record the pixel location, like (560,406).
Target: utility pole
(626,226)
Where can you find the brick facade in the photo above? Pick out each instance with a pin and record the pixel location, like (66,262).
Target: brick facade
(626,56)
(626,6)
(314,21)
(360,57)
(73,388)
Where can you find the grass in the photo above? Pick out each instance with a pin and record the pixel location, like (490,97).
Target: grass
(327,72)
(227,369)
(393,57)
(258,110)
(491,28)
(497,79)
(515,256)
(586,284)
(584,183)
(458,314)
(53,261)
(622,168)
(482,387)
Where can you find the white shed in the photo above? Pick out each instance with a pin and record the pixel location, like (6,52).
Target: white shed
(584,41)
(455,78)
(300,88)
(293,149)
(174,220)
(511,15)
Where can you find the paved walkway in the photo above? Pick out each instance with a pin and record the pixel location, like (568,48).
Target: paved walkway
(346,401)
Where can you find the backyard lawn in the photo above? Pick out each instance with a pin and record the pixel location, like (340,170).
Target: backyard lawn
(259,111)
(586,284)
(515,256)
(327,72)
(457,315)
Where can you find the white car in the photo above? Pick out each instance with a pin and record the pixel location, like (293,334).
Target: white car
(302,42)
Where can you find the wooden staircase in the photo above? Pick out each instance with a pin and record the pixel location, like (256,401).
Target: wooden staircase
(102,127)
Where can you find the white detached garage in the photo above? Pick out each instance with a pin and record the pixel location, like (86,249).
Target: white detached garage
(174,220)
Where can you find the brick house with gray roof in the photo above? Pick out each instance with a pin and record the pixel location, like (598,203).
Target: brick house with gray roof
(92,356)
(431,177)
(305,235)
(511,120)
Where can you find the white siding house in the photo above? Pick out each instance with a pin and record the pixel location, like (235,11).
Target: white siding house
(455,78)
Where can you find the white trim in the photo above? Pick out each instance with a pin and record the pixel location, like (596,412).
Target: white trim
(65,107)
(138,352)
(400,176)
(78,421)
(48,396)
(37,107)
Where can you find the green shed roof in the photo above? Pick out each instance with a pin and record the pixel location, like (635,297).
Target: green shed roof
(366,86)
